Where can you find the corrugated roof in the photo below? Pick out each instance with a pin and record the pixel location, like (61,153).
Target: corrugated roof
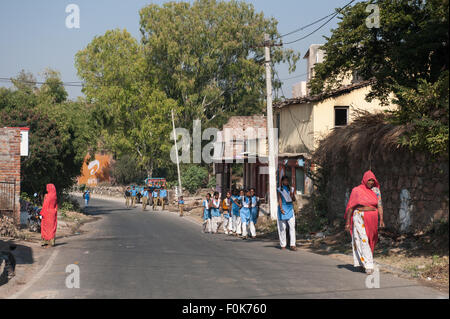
(315,98)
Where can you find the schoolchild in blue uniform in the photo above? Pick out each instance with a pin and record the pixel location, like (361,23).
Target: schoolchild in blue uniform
(245,213)
(206,228)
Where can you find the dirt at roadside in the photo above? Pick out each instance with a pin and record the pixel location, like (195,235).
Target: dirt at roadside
(421,257)
(69,223)
(29,254)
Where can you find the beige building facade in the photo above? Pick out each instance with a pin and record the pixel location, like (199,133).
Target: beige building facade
(304,120)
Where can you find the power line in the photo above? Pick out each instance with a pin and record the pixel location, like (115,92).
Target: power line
(294,77)
(304,27)
(322,25)
(73,83)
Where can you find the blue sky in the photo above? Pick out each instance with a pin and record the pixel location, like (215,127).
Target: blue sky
(34,36)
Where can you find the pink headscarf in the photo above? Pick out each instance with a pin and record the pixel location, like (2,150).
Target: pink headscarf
(362,194)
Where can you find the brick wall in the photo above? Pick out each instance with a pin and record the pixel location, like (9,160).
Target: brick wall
(10,166)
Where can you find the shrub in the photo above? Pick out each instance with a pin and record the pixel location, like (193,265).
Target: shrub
(194,177)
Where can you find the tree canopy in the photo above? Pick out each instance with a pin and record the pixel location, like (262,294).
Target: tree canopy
(408,56)
(197,58)
(61,131)
(205,56)
(132,113)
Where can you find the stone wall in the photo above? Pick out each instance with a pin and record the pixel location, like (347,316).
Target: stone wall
(10,171)
(414,188)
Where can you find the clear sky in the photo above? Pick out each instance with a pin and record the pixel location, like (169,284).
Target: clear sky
(33,34)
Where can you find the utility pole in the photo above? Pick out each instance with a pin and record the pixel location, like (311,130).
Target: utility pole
(180,189)
(272,168)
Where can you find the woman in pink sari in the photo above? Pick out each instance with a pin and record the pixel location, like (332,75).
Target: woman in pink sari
(361,215)
(49,213)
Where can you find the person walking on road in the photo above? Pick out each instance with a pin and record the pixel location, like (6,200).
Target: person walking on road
(133,197)
(254,211)
(181,205)
(286,216)
(226,208)
(87,197)
(245,213)
(363,211)
(155,196)
(206,228)
(163,197)
(145,196)
(127,196)
(215,213)
(236,219)
(49,215)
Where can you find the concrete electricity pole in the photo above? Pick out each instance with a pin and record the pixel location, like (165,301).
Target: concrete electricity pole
(180,190)
(272,168)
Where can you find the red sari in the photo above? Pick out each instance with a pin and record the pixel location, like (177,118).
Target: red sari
(49,214)
(364,196)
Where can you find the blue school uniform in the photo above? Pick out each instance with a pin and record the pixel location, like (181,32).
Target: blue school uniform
(133,192)
(215,212)
(145,194)
(288,206)
(245,210)
(163,193)
(234,206)
(254,210)
(206,210)
(155,194)
(181,202)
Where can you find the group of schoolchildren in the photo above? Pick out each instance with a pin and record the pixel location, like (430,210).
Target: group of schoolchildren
(157,197)
(237,213)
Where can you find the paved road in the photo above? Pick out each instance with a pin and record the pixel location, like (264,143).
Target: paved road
(131,254)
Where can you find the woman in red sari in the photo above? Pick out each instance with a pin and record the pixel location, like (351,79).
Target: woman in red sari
(361,215)
(49,214)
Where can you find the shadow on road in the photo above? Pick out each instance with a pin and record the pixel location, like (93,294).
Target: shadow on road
(12,254)
(349,267)
(97,210)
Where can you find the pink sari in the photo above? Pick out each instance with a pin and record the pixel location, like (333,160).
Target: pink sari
(364,196)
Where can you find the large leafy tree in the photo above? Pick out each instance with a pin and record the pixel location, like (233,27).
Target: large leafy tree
(61,131)
(407,56)
(134,116)
(205,55)
(200,59)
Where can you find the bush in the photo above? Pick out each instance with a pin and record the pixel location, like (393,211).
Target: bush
(127,171)
(194,177)
(212,182)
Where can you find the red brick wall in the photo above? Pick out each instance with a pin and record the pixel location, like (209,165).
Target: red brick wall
(10,163)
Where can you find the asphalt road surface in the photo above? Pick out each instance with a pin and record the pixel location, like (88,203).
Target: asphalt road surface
(135,254)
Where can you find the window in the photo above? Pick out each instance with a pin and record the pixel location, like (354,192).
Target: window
(340,115)
(300,180)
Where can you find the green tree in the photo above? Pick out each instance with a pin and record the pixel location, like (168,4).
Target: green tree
(406,56)
(194,177)
(53,88)
(133,115)
(61,133)
(126,170)
(204,55)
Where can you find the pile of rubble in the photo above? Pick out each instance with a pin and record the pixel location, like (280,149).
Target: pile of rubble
(7,227)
